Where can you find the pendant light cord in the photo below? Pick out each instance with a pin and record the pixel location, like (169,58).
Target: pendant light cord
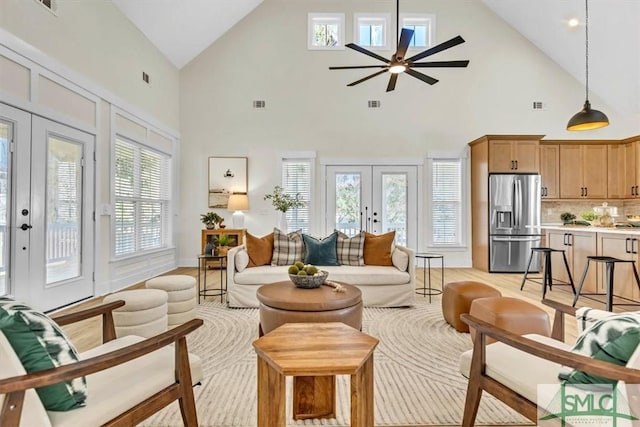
(586,38)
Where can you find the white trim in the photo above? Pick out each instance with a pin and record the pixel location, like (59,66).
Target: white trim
(376,161)
(313,18)
(448,154)
(297,155)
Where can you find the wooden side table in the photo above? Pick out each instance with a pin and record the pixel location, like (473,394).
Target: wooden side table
(314,349)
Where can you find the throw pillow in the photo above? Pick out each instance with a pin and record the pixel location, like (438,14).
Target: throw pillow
(613,339)
(40,344)
(350,250)
(260,249)
(377,248)
(287,248)
(321,252)
(241,260)
(400,259)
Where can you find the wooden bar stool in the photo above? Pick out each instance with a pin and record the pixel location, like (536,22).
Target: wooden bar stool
(547,276)
(610,263)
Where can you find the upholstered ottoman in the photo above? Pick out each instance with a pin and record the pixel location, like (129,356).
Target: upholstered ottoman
(182,299)
(512,314)
(457,298)
(144,313)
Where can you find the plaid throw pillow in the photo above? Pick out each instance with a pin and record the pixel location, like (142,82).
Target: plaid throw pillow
(287,248)
(350,249)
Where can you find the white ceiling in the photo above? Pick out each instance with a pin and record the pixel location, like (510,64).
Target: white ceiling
(182,29)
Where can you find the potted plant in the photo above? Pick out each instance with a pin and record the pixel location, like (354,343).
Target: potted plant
(283,202)
(210,219)
(224,241)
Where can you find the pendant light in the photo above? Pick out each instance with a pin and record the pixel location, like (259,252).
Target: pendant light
(587,119)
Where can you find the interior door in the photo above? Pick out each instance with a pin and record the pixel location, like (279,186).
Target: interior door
(377,199)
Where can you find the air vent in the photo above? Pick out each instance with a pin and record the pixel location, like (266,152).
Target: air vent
(50,5)
(373,104)
(259,103)
(146,78)
(537,105)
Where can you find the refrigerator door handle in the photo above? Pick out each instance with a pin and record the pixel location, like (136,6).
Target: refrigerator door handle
(518,203)
(516,239)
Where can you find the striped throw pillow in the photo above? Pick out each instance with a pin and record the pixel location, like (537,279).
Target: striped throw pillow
(350,249)
(287,248)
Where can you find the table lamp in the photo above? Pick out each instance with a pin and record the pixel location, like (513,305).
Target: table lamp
(238,203)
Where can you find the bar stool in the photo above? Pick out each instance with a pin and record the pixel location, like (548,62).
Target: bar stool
(547,276)
(610,263)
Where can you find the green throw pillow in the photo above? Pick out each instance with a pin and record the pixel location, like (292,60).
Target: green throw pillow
(40,344)
(321,252)
(613,339)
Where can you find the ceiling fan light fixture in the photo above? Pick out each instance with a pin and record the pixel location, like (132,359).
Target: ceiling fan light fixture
(397,68)
(588,119)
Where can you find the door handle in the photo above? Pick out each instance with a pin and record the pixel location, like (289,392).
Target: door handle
(634,246)
(636,190)
(516,165)
(633,190)
(564,239)
(586,191)
(569,239)
(626,245)
(25,227)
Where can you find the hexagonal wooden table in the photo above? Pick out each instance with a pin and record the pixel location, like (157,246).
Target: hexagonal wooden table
(314,349)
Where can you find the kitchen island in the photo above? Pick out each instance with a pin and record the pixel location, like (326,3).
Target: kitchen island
(578,242)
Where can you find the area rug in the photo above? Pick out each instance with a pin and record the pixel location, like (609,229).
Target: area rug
(416,371)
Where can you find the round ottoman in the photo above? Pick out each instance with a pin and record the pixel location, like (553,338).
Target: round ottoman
(144,313)
(512,314)
(457,298)
(283,302)
(182,299)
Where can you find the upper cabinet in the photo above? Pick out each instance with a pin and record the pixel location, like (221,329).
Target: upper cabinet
(583,171)
(513,156)
(550,171)
(616,185)
(631,168)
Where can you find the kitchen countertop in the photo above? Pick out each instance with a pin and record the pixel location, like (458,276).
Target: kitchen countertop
(592,229)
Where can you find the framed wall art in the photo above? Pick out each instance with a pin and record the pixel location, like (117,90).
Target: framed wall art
(227,175)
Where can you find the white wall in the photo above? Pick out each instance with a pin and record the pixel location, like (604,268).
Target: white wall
(309,107)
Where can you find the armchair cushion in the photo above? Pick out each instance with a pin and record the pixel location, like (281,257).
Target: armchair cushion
(612,339)
(40,344)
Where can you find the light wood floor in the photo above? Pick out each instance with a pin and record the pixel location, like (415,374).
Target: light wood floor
(87,334)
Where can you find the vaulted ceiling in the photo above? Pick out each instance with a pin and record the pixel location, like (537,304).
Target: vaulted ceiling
(182,29)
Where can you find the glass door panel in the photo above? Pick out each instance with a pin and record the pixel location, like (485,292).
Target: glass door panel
(394,205)
(6,130)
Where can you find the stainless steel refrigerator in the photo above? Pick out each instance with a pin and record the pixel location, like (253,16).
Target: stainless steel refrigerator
(514,221)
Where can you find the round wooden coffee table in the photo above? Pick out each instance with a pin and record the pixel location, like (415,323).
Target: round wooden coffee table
(283,302)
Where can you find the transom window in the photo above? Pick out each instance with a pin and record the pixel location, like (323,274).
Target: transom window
(325,31)
(423,26)
(372,30)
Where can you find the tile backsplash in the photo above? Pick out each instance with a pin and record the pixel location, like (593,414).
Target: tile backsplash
(551,209)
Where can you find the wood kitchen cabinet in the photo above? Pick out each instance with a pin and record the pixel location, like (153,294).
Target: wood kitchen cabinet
(620,246)
(583,171)
(631,168)
(577,246)
(616,182)
(550,171)
(513,156)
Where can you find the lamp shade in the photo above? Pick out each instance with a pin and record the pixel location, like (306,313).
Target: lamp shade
(238,202)
(588,119)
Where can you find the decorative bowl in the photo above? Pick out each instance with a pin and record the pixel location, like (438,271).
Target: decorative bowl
(309,282)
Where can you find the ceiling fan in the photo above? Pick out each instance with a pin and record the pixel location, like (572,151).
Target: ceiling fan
(399,64)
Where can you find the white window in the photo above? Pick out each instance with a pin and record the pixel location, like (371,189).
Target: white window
(142,197)
(325,31)
(297,176)
(424,29)
(372,30)
(447,203)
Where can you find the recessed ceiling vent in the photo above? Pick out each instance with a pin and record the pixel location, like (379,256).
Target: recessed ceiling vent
(50,5)
(537,105)
(259,104)
(373,104)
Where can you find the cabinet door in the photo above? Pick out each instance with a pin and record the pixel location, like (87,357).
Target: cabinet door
(583,245)
(570,172)
(594,171)
(526,156)
(616,184)
(549,170)
(630,167)
(622,247)
(501,158)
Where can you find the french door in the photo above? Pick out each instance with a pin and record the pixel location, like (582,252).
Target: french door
(46,210)
(377,199)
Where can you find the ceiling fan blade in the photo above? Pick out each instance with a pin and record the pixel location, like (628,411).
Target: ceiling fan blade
(436,64)
(364,79)
(350,67)
(420,76)
(438,48)
(403,44)
(367,52)
(392,82)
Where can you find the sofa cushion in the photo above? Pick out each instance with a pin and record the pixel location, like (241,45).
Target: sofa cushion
(320,251)
(259,249)
(40,344)
(350,249)
(242,260)
(400,259)
(612,339)
(377,248)
(359,276)
(287,248)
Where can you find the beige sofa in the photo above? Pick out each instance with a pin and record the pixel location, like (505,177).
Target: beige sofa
(381,286)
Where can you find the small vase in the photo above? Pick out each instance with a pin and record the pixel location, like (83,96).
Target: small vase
(282,222)
(208,250)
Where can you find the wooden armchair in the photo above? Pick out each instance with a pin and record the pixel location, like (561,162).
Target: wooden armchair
(511,368)
(128,378)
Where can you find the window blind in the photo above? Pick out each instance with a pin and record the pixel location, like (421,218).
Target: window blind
(446,202)
(296,179)
(142,196)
